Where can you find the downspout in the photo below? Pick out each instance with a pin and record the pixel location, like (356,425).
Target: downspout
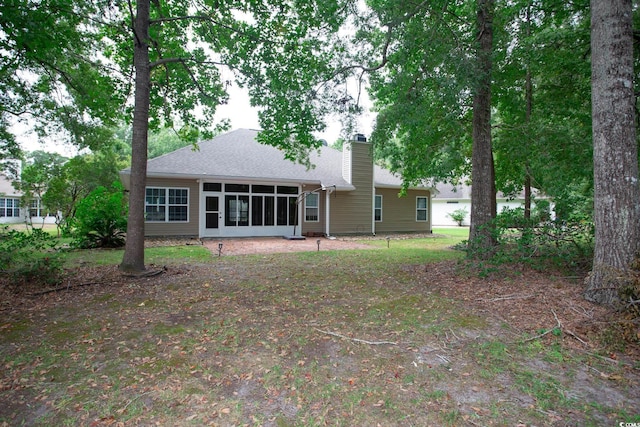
(327,210)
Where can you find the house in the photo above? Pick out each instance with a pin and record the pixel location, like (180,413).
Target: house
(12,211)
(448,198)
(233,186)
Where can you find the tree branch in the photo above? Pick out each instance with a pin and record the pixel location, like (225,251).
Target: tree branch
(356,339)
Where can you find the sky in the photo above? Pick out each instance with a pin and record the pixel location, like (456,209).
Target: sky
(238,111)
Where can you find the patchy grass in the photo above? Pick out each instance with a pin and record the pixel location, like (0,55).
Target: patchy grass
(160,255)
(361,337)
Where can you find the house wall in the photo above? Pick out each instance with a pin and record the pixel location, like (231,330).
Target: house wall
(399,213)
(352,211)
(441,208)
(8,191)
(319,226)
(189,228)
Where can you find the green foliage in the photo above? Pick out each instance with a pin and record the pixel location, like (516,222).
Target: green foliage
(458,215)
(557,244)
(57,77)
(100,220)
(31,256)
(76,178)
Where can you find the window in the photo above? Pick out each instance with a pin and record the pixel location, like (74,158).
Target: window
(237,210)
(9,207)
(377,209)
(312,207)
(166,204)
(421,209)
(36,209)
(286,210)
(236,188)
(212,186)
(283,189)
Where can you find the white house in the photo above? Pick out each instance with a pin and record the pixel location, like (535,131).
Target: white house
(12,211)
(448,198)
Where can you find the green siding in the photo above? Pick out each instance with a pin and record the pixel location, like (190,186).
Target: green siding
(352,211)
(399,213)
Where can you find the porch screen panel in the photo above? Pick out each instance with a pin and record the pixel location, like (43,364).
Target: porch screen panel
(231,211)
(256,210)
(282,210)
(293,210)
(269,209)
(212,220)
(243,211)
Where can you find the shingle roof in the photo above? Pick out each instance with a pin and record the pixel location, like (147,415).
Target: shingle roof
(237,155)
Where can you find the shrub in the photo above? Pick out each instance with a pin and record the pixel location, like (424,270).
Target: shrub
(458,216)
(101,219)
(31,256)
(559,244)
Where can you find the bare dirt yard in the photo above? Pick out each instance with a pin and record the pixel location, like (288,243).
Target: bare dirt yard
(276,333)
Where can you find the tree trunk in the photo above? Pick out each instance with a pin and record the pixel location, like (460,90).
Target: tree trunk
(527,114)
(615,156)
(483,192)
(133,259)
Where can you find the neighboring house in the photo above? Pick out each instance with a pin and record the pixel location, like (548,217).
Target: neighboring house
(448,198)
(233,186)
(12,211)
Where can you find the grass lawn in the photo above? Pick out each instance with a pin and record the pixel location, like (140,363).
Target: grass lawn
(392,336)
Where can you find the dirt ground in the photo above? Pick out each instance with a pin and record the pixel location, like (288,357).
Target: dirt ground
(280,245)
(542,303)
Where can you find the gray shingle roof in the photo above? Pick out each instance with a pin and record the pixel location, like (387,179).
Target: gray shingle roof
(237,155)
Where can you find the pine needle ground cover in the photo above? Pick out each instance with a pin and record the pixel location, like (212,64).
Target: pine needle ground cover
(396,334)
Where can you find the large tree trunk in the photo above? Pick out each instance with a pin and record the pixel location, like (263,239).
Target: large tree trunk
(615,156)
(483,192)
(133,259)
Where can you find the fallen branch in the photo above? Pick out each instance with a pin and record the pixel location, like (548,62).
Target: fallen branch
(356,339)
(146,273)
(65,288)
(567,330)
(121,411)
(558,326)
(505,298)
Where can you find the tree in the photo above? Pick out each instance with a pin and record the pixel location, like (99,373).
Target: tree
(101,218)
(37,172)
(483,190)
(80,175)
(542,130)
(280,49)
(55,79)
(615,150)
(177,57)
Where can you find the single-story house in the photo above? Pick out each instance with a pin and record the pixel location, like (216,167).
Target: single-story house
(11,211)
(233,186)
(448,198)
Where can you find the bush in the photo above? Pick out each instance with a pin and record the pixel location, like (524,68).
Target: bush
(30,256)
(559,244)
(458,216)
(101,219)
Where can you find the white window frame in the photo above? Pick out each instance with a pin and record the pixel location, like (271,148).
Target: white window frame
(37,210)
(14,208)
(424,209)
(166,205)
(376,208)
(308,207)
